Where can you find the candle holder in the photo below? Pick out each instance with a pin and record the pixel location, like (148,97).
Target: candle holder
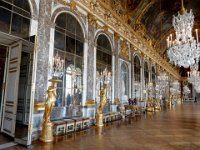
(105,79)
(47,126)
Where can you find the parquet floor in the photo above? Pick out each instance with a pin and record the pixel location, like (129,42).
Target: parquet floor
(175,129)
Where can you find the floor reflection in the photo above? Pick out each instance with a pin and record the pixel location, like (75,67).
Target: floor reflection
(170,129)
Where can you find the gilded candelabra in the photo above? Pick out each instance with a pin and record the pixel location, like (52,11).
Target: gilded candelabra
(47,131)
(99,114)
(47,126)
(150,107)
(105,79)
(157,101)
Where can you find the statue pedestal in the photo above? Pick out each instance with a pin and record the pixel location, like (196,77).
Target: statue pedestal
(99,120)
(47,132)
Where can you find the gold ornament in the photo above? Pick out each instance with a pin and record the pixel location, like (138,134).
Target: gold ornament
(47,131)
(99,114)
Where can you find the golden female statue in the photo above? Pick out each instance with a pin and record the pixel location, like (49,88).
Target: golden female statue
(102,100)
(99,114)
(47,131)
(49,104)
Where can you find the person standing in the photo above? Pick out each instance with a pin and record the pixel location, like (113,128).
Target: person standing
(195,99)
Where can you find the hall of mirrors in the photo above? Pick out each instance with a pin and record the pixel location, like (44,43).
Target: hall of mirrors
(92,51)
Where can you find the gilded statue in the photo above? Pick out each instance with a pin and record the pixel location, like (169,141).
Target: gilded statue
(157,104)
(150,102)
(49,104)
(47,126)
(102,100)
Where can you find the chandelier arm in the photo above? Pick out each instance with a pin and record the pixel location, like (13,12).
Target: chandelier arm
(182,8)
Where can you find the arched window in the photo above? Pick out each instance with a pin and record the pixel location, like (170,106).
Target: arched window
(68,44)
(124,82)
(137,78)
(15,17)
(103,60)
(146,73)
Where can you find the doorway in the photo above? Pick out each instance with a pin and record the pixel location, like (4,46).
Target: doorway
(15,82)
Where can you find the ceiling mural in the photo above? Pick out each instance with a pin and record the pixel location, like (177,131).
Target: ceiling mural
(152,19)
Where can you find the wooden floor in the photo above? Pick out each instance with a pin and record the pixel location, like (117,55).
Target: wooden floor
(5,139)
(175,129)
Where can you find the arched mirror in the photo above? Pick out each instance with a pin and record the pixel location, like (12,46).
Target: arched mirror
(124,82)
(103,61)
(68,45)
(137,78)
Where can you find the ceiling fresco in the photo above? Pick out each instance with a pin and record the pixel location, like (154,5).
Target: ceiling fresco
(155,18)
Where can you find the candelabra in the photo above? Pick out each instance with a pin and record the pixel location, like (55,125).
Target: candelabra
(57,71)
(150,107)
(105,78)
(157,101)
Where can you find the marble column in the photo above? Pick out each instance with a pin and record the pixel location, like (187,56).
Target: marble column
(90,62)
(44,26)
(42,60)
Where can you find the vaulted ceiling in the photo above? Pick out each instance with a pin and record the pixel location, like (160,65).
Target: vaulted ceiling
(155,18)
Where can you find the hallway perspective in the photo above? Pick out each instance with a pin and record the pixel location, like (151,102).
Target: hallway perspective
(171,129)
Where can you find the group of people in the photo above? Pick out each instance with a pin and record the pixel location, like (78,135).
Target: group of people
(132,101)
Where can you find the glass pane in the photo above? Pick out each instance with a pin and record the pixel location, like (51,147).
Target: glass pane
(69,59)
(59,40)
(70,45)
(20,26)
(21,12)
(79,32)
(61,21)
(71,24)
(5,5)
(5,20)
(22,4)
(79,48)
(79,62)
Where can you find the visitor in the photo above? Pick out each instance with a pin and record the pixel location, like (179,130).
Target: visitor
(195,99)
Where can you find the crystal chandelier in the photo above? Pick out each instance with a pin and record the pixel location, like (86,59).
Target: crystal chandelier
(57,67)
(105,77)
(162,80)
(186,90)
(184,50)
(194,75)
(197,88)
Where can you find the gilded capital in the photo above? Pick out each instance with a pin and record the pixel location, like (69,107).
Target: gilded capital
(92,20)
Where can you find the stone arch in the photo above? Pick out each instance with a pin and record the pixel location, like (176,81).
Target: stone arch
(61,10)
(101,32)
(34,9)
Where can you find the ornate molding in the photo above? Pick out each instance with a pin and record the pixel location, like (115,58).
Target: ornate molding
(124,50)
(115,23)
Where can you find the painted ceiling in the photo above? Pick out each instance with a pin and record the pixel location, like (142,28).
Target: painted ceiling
(155,16)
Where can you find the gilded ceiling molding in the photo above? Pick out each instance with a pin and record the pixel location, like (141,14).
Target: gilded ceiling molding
(116,24)
(92,20)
